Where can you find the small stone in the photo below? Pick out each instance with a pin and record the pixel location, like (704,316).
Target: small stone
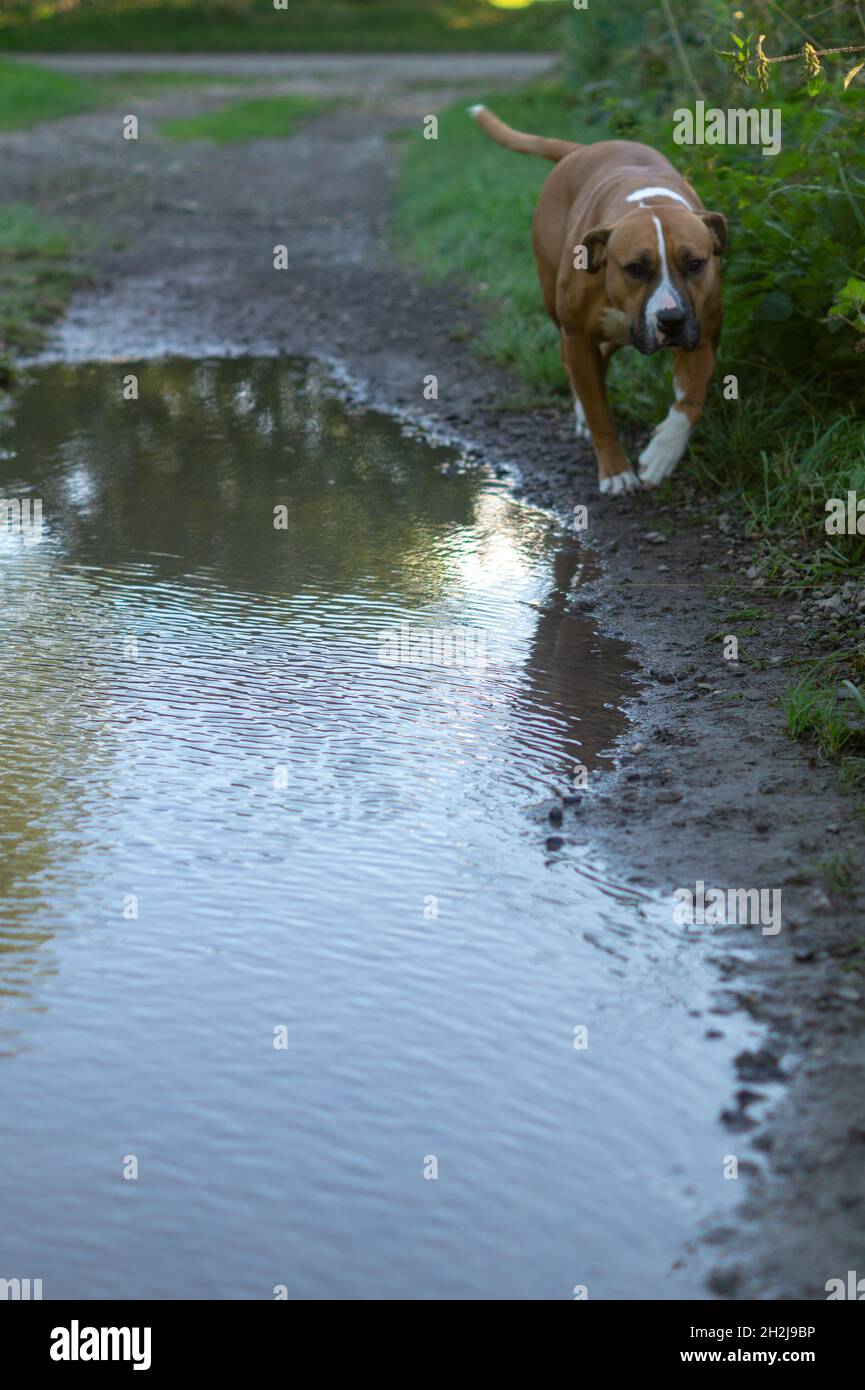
(759,1066)
(737,1120)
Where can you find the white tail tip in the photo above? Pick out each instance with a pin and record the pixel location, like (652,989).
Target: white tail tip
(475,111)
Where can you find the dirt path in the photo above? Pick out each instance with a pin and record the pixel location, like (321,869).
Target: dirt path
(709,788)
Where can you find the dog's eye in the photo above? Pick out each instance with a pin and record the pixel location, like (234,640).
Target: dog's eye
(693,265)
(639,269)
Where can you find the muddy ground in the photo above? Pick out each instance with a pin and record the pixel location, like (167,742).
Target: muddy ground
(708,786)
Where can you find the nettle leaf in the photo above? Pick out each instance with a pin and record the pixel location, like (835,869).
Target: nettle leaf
(854,290)
(816,84)
(774,308)
(852,73)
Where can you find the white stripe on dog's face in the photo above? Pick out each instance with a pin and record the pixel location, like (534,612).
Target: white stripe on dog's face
(664,296)
(656,193)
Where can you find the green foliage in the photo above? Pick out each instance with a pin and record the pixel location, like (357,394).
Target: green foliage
(850,306)
(199,26)
(751,65)
(797,232)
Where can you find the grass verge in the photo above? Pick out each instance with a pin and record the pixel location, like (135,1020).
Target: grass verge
(465,208)
(30,94)
(827,710)
(35,280)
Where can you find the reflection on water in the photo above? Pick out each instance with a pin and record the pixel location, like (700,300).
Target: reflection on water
(227,825)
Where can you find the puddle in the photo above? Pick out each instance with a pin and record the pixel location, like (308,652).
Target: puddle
(224,815)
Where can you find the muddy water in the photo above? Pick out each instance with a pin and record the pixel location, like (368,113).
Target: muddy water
(284,921)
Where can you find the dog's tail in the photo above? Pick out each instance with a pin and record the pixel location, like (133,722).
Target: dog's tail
(518,140)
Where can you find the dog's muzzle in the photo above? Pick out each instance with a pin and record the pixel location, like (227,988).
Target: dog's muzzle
(668,328)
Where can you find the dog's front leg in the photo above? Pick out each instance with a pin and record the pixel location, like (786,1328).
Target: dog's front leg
(586,368)
(692,372)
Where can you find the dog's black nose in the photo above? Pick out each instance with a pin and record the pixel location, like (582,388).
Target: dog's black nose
(671,319)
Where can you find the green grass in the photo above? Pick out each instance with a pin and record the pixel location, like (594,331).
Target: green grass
(245,120)
(199,26)
(782,454)
(827,709)
(35,279)
(836,871)
(29,94)
(465,209)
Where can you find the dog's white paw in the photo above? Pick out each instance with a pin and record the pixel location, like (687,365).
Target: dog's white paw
(665,448)
(619,483)
(581,424)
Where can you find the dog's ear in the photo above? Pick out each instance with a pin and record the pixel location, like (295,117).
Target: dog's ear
(717,224)
(595,243)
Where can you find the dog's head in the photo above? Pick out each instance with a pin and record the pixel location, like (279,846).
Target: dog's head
(661,263)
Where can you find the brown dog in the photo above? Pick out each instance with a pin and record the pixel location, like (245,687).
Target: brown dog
(621,207)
